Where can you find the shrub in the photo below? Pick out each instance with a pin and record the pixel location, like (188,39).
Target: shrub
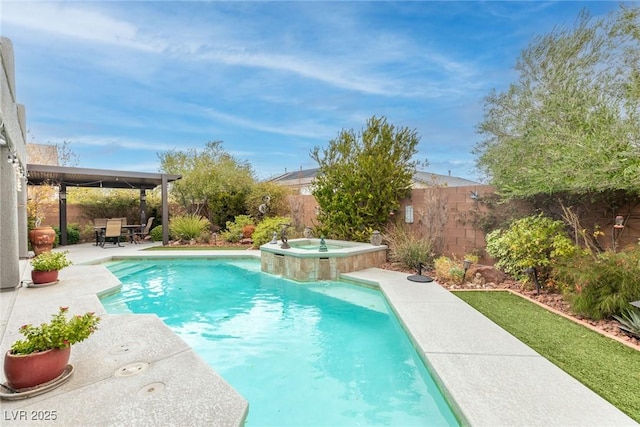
(73,234)
(407,248)
(188,227)
(531,242)
(602,287)
(235,229)
(265,229)
(247,231)
(87,233)
(448,270)
(156,233)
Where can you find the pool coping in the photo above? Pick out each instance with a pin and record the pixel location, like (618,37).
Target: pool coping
(489,377)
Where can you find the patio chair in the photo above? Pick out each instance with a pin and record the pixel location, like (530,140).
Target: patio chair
(112,231)
(100,222)
(144,232)
(98,226)
(124,232)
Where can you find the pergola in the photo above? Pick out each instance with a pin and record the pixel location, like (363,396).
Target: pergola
(64,177)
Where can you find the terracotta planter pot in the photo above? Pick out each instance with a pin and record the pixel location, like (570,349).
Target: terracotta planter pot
(42,239)
(39,277)
(29,370)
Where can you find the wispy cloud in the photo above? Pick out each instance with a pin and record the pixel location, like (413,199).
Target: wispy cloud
(81,24)
(116,142)
(270,79)
(370,71)
(305,130)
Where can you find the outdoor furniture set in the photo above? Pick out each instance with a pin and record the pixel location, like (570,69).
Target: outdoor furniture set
(115,228)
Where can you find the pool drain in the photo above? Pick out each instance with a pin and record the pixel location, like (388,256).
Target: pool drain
(131,369)
(124,348)
(151,389)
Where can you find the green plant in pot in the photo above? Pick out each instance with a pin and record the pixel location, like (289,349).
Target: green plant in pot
(43,354)
(47,265)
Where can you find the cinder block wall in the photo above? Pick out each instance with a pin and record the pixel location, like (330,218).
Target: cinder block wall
(462,206)
(456,210)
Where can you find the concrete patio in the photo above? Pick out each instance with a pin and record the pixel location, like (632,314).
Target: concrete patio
(135,371)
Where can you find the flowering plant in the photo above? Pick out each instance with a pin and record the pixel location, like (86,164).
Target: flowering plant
(50,261)
(59,333)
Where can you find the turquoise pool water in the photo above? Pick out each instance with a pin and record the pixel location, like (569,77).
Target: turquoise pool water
(325,353)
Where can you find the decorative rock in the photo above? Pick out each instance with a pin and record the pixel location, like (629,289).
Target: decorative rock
(478,279)
(487,274)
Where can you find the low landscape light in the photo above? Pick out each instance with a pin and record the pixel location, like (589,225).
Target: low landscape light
(534,275)
(465,264)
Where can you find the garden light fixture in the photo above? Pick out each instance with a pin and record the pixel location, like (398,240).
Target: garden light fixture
(534,275)
(465,264)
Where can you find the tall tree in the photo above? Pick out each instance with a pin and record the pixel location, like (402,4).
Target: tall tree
(212,179)
(571,123)
(362,178)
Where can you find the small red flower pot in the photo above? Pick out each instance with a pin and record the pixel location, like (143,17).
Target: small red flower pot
(30,370)
(40,277)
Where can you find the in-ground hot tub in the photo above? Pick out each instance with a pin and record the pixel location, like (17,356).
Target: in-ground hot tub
(304,262)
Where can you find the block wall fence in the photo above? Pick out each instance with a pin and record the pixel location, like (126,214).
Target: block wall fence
(451,211)
(454,211)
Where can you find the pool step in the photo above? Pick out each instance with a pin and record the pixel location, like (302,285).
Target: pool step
(370,302)
(125,269)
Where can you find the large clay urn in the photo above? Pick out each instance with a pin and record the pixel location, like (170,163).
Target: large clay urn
(42,239)
(29,370)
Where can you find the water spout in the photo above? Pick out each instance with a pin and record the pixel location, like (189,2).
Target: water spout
(283,236)
(323,245)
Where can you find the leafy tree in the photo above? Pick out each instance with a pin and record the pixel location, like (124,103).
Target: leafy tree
(212,180)
(571,123)
(276,204)
(362,178)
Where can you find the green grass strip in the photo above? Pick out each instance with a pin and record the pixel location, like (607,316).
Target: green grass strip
(606,366)
(196,248)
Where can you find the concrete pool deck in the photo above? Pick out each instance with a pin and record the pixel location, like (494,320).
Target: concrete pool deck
(135,371)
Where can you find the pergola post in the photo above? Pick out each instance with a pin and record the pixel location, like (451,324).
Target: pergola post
(62,206)
(143,207)
(165,210)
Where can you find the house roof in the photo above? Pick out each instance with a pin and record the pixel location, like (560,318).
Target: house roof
(430,178)
(427,178)
(82,177)
(296,175)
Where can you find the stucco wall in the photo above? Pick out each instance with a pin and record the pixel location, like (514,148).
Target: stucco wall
(13,216)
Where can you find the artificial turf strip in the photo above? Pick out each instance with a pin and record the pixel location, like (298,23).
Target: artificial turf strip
(196,248)
(606,366)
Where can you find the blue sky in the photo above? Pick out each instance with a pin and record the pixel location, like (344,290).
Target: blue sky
(123,81)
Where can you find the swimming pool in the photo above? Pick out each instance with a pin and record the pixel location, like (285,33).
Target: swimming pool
(325,353)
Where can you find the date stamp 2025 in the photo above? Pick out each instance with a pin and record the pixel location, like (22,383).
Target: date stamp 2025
(29,415)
